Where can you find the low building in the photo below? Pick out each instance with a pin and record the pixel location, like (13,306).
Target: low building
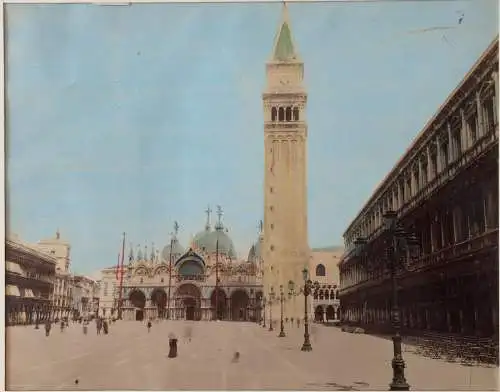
(29,279)
(84,290)
(323,269)
(444,190)
(62,296)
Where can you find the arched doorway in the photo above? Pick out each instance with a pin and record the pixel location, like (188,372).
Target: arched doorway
(318,314)
(159,299)
(330,313)
(239,305)
(138,300)
(188,299)
(219,297)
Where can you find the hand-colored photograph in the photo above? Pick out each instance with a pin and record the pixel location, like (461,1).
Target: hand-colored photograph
(252,196)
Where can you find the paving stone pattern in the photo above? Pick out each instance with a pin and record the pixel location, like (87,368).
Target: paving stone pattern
(131,358)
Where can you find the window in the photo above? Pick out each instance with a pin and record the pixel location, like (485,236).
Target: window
(161,280)
(272,225)
(281,114)
(295,114)
(271,247)
(288,114)
(274,114)
(271,189)
(271,208)
(472,125)
(320,270)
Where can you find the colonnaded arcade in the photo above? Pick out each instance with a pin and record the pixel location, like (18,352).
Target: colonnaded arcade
(445,190)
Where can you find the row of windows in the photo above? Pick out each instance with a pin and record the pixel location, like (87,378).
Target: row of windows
(442,151)
(285,114)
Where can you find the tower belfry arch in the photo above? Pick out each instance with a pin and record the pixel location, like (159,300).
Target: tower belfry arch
(285,245)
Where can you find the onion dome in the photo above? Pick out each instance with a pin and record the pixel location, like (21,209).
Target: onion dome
(174,248)
(218,241)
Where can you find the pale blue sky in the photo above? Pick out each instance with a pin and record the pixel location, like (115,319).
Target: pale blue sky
(126,118)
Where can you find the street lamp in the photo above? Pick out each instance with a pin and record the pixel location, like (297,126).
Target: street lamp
(264,312)
(282,326)
(307,290)
(271,300)
(399,241)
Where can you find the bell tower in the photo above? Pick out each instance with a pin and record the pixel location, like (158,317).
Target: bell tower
(285,246)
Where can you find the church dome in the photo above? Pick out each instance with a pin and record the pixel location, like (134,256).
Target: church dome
(225,246)
(177,250)
(255,251)
(198,240)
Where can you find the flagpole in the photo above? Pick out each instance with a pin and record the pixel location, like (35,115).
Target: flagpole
(121,280)
(217,278)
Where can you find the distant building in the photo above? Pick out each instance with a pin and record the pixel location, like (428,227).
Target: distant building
(444,190)
(323,267)
(184,282)
(62,297)
(84,294)
(29,282)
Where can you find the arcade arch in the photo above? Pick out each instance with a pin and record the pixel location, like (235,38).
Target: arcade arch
(138,301)
(159,299)
(188,302)
(239,305)
(218,302)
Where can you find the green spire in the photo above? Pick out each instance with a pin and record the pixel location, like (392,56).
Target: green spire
(284,49)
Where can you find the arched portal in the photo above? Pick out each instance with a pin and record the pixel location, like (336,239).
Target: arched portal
(330,313)
(188,300)
(318,314)
(239,305)
(218,302)
(159,299)
(138,300)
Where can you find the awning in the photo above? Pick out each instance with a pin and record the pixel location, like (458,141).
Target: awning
(28,293)
(12,291)
(10,266)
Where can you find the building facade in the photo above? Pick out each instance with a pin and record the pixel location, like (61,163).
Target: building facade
(445,190)
(285,246)
(29,279)
(84,294)
(204,282)
(323,267)
(62,296)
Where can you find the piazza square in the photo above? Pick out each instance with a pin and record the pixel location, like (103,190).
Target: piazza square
(131,358)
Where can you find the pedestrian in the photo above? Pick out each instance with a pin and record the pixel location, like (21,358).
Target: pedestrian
(105,327)
(85,324)
(47,327)
(62,325)
(98,323)
(149,325)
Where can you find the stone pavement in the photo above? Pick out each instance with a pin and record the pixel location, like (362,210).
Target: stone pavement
(130,358)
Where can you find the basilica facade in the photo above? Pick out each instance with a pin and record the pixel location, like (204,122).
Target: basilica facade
(204,281)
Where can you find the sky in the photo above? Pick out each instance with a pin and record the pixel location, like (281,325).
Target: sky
(127,118)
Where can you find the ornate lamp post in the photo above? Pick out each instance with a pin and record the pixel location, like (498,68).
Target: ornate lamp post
(400,243)
(308,287)
(271,300)
(282,300)
(264,312)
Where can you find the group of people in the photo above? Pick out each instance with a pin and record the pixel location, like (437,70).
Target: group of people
(101,324)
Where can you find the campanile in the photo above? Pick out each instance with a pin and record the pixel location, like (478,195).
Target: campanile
(286,248)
